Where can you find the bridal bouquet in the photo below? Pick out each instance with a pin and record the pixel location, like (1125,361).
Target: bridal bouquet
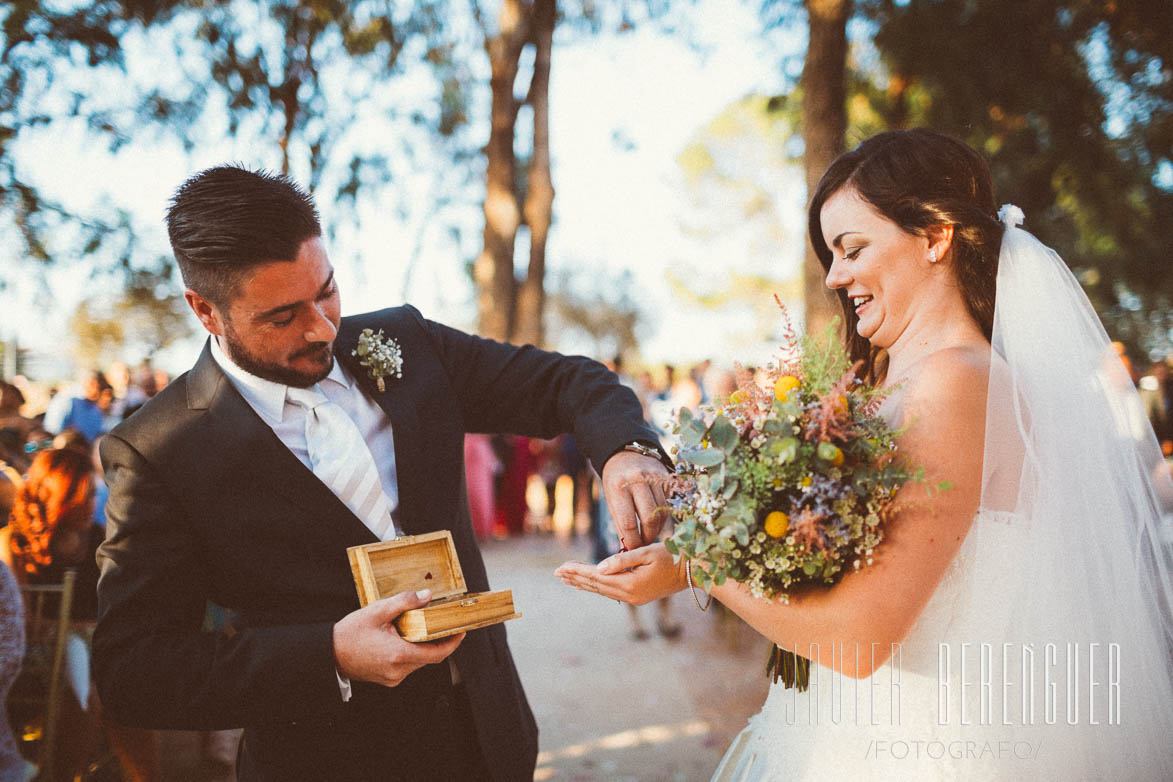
(786,484)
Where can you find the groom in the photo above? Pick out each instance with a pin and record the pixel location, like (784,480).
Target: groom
(246,479)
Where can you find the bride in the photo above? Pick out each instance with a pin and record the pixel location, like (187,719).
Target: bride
(1019,624)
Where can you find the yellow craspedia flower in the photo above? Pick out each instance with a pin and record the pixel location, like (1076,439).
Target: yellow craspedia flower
(840,405)
(784,385)
(777,524)
(737,397)
(832,453)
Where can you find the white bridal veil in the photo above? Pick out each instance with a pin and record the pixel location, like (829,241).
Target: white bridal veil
(1073,479)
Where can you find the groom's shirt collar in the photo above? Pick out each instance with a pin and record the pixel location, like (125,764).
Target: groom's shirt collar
(266,396)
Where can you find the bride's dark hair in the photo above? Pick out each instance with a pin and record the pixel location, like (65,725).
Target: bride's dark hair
(918,179)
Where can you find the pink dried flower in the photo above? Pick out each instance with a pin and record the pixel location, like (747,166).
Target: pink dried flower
(830,417)
(808,531)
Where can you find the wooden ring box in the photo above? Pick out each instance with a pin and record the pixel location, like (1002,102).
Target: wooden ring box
(427,561)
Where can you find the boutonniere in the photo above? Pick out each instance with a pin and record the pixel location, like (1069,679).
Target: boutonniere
(381,356)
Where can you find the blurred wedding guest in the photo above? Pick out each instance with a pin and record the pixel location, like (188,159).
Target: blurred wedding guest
(73,439)
(51,530)
(1122,351)
(669,380)
(644,385)
(480,471)
(127,396)
(520,462)
(1154,393)
(11,475)
(79,408)
(38,440)
(161,379)
(14,460)
(683,393)
(11,402)
(101,490)
(141,389)
(699,375)
(12,765)
(721,383)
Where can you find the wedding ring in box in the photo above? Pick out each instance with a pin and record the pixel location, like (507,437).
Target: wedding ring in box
(426,561)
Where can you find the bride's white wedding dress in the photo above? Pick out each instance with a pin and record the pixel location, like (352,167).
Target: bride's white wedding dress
(886,726)
(1054,622)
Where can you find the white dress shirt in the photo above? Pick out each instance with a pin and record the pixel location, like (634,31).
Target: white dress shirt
(287,420)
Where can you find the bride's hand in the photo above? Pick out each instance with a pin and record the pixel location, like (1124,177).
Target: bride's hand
(637,577)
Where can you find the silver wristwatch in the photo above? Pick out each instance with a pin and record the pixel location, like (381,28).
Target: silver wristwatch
(643,450)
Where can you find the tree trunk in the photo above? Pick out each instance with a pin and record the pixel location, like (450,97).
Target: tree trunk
(493,269)
(824,128)
(539,202)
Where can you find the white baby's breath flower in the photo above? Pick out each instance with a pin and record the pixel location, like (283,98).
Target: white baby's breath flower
(380,355)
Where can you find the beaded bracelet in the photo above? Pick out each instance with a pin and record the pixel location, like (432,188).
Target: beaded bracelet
(692,588)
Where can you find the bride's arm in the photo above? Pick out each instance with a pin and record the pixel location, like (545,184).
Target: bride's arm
(944,410)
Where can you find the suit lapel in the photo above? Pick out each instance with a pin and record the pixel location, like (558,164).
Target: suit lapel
(395,404)
(253,449)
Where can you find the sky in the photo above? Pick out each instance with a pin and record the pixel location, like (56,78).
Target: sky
(623,107)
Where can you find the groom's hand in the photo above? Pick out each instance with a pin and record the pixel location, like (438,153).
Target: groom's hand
(633,486)
(368,648)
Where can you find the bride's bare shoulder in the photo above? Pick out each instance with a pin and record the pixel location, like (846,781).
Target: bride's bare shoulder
(954,378)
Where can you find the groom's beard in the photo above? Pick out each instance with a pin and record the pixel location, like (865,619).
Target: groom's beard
(320,353)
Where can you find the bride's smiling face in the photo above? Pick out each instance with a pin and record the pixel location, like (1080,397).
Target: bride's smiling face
(879,265)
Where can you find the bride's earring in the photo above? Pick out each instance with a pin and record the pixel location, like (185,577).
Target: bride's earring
(932,256)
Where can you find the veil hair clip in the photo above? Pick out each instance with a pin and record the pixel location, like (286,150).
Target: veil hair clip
(1011,215)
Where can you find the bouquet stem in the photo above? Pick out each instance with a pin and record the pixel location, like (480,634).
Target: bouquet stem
(791,668)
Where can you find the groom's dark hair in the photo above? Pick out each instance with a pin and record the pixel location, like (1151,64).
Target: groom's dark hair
(226,220)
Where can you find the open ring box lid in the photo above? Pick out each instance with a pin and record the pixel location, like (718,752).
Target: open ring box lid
(427,561)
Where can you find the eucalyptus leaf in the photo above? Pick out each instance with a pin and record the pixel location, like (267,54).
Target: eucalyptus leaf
(786,449)
(692,433)
(730,488)
(791,408)
(739,506)
(709,457)
(723,434)
(742,532)
(776,426)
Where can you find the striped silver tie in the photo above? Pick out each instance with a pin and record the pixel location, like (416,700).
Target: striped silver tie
(342,460)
